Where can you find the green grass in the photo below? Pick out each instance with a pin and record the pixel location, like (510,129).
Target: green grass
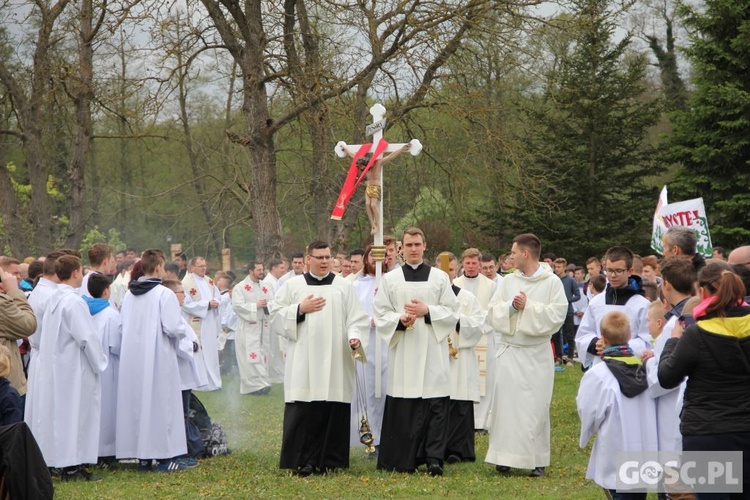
(253,426)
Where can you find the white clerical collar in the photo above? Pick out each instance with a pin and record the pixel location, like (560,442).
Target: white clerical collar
(414,266)
(319,278)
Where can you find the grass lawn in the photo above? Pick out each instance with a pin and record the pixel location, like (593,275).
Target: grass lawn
(253,425)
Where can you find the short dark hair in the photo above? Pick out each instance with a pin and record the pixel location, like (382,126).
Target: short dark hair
(488,257)
(551,256)
(97,284)
(316,245)
(35,269)
(172,267)
(298,255)
(530,242)
(97,253)
(357,251)
(274,263)
(49,262)
(151,259)
(680,273)
(743,272)
(598,282)
(414,231)
(620,253)
(66,265)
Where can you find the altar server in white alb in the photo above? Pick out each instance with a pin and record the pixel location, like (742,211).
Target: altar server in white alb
(327,330)
(528,307)
(483,289)
(614,405)
(376,368)
(464,370)
(250,300)
(67,416)
(150,422)
(109,327)
(202,300)
(415,311)
(624,293)
(45,288)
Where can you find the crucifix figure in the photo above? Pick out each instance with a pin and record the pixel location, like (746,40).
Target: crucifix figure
(373,167)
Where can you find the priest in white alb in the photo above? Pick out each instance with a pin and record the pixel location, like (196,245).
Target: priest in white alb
(250,300)
(527,309)
(415,311)
(327,330)
(202,300)
(67,414)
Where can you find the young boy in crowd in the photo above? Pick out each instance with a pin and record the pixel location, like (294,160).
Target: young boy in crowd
(109,328)
(624,293)
(613,404)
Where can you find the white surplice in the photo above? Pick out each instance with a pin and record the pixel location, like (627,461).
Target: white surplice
(620,423)
(636,309)
(207,325)
(38,300)
(483,289)
(192,375)
(109,328)
(277,347)
(668,401)
(253,334)
(320,362)
(66,417)
(150,422)
(464,367)
(524,367)
(418,365)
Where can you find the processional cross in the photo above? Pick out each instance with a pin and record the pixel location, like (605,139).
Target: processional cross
(374,193)
(372,170)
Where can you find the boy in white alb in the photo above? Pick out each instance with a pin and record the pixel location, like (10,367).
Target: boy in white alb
(613,404)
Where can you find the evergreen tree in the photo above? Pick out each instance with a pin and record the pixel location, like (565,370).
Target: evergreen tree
(587,134)
(711,139)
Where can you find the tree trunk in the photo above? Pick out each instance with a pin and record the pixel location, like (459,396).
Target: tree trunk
(82,98)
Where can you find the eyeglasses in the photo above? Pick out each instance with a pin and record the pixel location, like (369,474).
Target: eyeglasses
(321,257)
(616,272)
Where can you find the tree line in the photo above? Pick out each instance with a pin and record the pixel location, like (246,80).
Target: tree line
(212,123)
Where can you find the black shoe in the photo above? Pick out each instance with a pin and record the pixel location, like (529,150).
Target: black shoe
(77,474)
(144,465)
(434,469)
(305,470)
(502,469)
(537,472)
(452,459)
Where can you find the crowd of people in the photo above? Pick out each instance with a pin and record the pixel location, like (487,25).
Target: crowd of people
(100,362)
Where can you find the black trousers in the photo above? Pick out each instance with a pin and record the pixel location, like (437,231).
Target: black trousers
(461,430)
(315,433)
(414,431)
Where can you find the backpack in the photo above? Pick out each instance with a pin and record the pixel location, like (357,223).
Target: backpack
(213,436)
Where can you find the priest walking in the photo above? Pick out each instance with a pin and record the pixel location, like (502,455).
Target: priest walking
(415,311)
(202,299)
(326,329)
(526,310)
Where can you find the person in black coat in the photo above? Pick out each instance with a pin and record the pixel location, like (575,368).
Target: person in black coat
(714,355)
